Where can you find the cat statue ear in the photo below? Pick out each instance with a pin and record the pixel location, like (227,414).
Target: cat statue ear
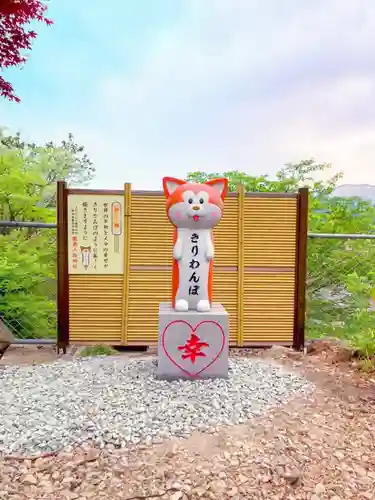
(220,185)
(170,184)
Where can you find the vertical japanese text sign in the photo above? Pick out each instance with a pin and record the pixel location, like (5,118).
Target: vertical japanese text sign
(95,234)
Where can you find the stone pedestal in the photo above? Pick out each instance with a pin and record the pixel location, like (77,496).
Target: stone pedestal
(192,345)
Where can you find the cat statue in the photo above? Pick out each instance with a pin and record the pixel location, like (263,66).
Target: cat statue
(194,209)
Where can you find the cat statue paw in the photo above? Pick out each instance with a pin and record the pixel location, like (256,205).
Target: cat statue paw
(203,306)
(182,305)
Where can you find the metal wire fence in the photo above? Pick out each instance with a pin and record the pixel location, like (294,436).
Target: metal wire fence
(28,285)
(341,287)
(341,277)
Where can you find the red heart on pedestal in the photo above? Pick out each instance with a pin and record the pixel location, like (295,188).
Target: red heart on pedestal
(193,331)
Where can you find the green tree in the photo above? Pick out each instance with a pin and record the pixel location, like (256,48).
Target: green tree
(288,179)
(28,176)
(65,161)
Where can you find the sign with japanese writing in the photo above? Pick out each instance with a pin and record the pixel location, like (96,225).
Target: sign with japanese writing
(95,234)
(194,264)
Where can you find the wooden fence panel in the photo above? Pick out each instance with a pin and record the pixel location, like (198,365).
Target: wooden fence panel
(259,268)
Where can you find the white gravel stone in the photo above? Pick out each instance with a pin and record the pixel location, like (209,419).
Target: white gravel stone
(111,400)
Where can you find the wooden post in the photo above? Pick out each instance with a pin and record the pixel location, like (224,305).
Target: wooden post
(62,268)
(301,269)
(240,264)
(126,277)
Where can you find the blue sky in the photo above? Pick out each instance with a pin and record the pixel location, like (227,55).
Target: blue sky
(154,88)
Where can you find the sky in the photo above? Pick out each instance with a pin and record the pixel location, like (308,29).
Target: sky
(165,87)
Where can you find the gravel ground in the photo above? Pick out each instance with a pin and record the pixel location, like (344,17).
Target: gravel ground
(318,446)
(109,400)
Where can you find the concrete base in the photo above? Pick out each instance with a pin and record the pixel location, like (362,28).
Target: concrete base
(192,345)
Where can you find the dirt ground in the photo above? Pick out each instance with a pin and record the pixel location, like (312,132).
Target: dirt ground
(316,448)
(28,355)
(32,354)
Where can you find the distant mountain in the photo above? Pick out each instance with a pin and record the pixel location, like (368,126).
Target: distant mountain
(364,191)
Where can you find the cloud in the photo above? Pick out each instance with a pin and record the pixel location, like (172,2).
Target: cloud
(226,84)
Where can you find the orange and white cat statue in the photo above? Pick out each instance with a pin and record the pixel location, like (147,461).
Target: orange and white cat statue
(194,209)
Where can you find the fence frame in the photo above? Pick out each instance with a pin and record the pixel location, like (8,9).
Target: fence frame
(300,268)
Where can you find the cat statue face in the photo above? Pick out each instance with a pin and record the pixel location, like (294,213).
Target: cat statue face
(192,205)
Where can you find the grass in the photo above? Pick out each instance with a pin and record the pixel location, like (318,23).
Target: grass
(97,350)
(367,365)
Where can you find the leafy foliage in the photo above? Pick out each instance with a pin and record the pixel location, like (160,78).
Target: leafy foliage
(27,277)
(288,179)
(341,273)
(15,15)
(28,257)
(97,350)
(65,161)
